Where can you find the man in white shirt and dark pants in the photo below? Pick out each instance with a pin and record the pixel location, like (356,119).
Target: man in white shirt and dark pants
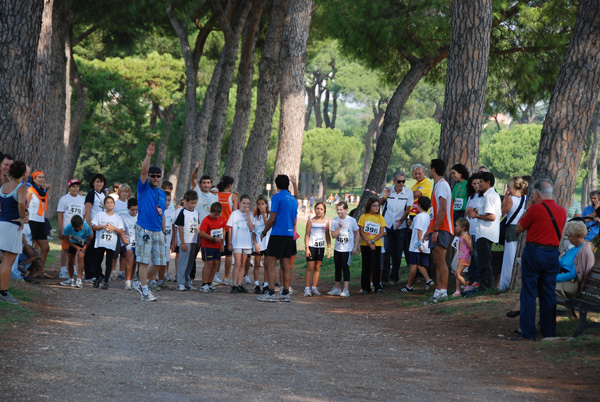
(488,231)
(396,203)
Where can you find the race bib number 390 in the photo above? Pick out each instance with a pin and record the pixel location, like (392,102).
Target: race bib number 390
(372,228)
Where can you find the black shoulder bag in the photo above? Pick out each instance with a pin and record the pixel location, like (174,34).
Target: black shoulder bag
(504,224)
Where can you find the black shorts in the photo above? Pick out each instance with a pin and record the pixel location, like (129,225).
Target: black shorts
(227,253)
(281,246)
(264,252)
(316,254)
(210,254)
(72,250)
(38,230)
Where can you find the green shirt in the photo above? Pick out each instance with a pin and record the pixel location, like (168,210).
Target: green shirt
(459,196)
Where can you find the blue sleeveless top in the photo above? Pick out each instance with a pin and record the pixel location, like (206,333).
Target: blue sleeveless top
(10,206)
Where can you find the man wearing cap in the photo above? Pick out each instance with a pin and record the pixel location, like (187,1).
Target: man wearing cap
(69,205)
(150,246)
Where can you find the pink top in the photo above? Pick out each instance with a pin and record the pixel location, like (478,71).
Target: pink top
(463,249)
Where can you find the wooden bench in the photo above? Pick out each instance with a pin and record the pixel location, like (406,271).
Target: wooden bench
(587,302)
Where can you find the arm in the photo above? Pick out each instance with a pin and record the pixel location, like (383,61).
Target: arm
(420,239)
(307,238)
(250,224)
(328,239)
(88,213)
(194,178)
(506,204)
(60,224)
(146,162)
(356,242)
(22,195)
(183,245)
(469,243)
(404,216)
(234,202)
(229,245)
(384,196)
(269,224)
(363,235)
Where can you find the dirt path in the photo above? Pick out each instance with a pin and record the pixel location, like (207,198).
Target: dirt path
(93,344)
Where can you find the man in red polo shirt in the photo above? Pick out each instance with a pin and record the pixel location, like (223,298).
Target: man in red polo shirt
(544,222)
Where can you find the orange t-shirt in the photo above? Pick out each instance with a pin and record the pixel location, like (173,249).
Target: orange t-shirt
(225,200)
(442,190)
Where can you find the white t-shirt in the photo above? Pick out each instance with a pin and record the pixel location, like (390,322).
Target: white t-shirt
(345,240)
(129,222)
(491,205)
(27,234)
(317,234)
(169,221)
(474,203)
(205,200)
(104,238)
(420,222)
(240,233)
(71,206)
(515,205)
(259,226)
(189,220)
(121,208)
(33,208)
(97,201)
(395,205)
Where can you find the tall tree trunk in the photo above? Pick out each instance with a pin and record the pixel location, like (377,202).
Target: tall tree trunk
(326,110)
(293,61)
(243,104)
(466,80)
(316,180)
(377,174)
(310,104)
(595,129)
(253,165)
(334,109)
(373,128)
(168,115)
(219,115)
(317,104)
(570,111)
(324,181)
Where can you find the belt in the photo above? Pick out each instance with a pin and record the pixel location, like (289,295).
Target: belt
(541,245)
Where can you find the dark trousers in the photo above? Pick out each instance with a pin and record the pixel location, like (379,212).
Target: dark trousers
(396,243)
(342,265)
(89,259)
(371,260)
(539,267)
(484,262)
(99,252)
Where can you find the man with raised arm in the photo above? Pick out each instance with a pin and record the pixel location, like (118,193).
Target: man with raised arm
(150,246)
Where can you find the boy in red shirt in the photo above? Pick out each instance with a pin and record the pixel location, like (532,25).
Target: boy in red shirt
(212,234)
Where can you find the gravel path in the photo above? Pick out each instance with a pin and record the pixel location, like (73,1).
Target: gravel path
(91,344)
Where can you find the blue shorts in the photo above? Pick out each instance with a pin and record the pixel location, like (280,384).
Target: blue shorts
(420,259)
(150,247)
(210,254)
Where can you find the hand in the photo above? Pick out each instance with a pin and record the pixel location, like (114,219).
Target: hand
(183,246)
(386,192)
(399,223)
(151,149)
(197,166)
(409,222)
(356,251)
(108,227)
(262,236)
(328,253)
(20,220)
(433,237)
(372,246)
(60,236)
(222,248)
(293,179)
(229,247)
(308,253)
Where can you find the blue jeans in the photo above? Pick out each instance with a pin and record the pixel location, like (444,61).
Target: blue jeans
(539,267)
(396,243)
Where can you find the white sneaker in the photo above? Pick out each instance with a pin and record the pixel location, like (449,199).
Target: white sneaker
(181,288)
(247,280)
(307,292)
(137,286)
(68,282)
(78,283)
(148,296)
(217,280)
(213,288)
(345,293)
(315,291)
(335,292)
(205,288)
(128,285)
(267,298)
(64,274)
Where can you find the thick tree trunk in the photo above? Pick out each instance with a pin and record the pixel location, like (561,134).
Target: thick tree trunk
(243,104)
(219,114)
(466,80)
(570,111)
(326,110)
(595,129)
(317,106)
(168,115)
(293,61)
(334,109)
(269,81)
(374,127)
(385,142)
(310,104)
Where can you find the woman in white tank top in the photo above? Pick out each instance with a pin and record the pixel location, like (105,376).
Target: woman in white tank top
(315,239)
(514,203)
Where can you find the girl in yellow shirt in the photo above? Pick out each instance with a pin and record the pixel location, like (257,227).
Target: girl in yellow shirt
(371,227)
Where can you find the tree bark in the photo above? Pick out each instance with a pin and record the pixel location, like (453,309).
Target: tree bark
(316,185)
(269,81)
(377,174)
(219,115)
(326,109)
(570,111)
(243,104)
(593,169)
(324,181)
(168,115)
(334,108)
(374,127)
(466,80)
(293,61)
(310,104)
(317,104)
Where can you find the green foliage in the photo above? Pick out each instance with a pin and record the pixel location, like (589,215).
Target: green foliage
(512,152)
(417,142)
(423,101)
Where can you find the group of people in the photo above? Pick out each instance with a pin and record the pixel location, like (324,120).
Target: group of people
(432,225)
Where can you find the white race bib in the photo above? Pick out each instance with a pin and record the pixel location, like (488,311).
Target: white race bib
(455,242)
(319,242)
(372,228)
(76,209)
(217,233)
(344,236)
(458,203)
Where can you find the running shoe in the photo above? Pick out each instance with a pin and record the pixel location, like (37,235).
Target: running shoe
(456,294)
(213,288)
(68,282)
(190,287)
(406,289)
(345,293)
(307,292)
(233,289)
(242,289)
(8,299)
(267,298)
(247,280)
(285,298)
(63,274)
(379,290)
(181,288)
(429,284)
(217,280)
(257,290)
(335,292)
(121,275)
(266,290)
(79,284)
(148,296)
(104,285)
(315,291)
(30,280)
(167,278)
(128,285)
(137,286)
(205,288)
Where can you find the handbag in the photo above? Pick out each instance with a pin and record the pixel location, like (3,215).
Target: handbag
(568,289)
(504,224)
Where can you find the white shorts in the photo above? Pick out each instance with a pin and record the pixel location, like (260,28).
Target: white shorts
(11,238)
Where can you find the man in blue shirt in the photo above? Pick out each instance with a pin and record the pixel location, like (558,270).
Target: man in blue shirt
(284,209)
(592,225)
(150,246)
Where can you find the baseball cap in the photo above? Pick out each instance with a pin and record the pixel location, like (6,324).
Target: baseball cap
(154,170)
(72,182)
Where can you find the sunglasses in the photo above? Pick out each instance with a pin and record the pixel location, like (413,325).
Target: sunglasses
(400,181)
(156,176)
